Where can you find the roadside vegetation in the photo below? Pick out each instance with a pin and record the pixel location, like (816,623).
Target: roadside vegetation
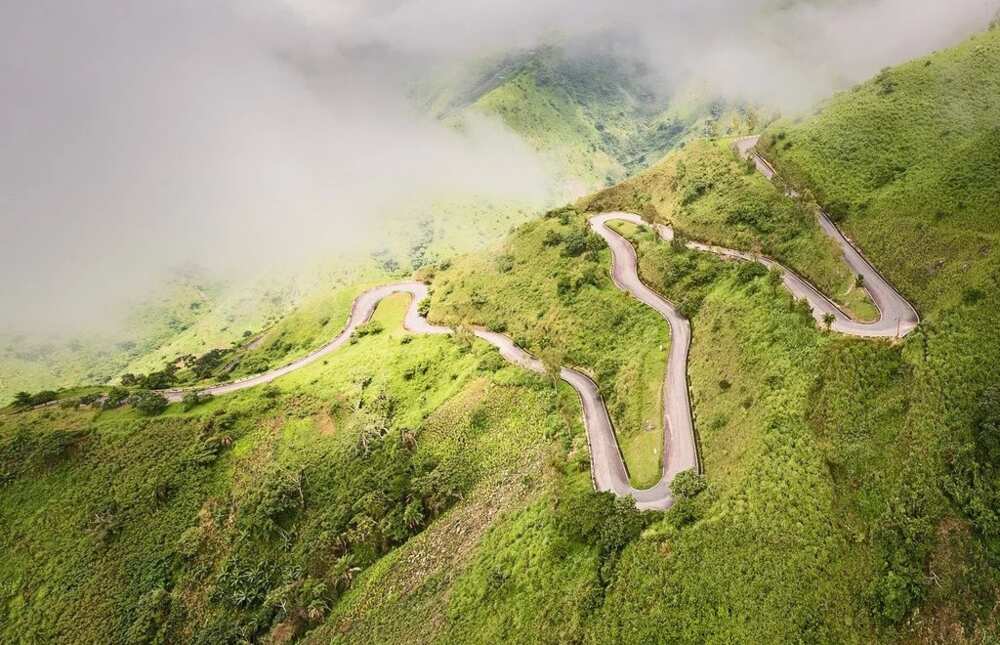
(420,489)
(549,288)
(908,165)
(251,514)
(706,193)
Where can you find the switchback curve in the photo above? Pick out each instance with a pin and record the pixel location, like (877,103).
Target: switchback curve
(608,470)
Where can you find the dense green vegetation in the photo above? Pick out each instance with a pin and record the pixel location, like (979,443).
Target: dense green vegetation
(908,163)
(549,288)
(595,117)
(419,489)
(251,513)
(708,194)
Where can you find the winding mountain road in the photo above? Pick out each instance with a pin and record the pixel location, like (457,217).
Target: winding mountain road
(680,451)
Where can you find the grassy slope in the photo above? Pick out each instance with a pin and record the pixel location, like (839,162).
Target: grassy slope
(770,533)
(828,459)
(592,116)
(586,322)
(847,484)
(910,161)
(123,528)
(707,194)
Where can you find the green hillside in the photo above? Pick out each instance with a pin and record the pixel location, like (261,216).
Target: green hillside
(419,489)
(594,117)
(706,193)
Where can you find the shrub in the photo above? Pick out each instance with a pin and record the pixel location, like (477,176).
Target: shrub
(192,400)
(688,484)
(205,364)
(148,403)
(884,81)
(747,272)
(505,264)
(424,308)
(552,238)
(562,214)
(689,307)
(156,380)
(43,397)
(89,399)
(492,362)
(755,215)
(276,493)
(838,210)
(115,397)
(22,399)
(972,295)
(892,595)
(372,328)
(564,287)
(579,241)
(600,519)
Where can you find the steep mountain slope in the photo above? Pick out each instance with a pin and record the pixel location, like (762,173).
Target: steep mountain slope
(421,490)
(114,522)
(708,194)
(595,117)
(592,118)
(910,164)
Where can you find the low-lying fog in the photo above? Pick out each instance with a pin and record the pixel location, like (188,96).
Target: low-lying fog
(238,133)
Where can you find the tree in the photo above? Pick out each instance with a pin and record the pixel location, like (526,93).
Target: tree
(192,400)
(688,484)
(205,364)
(157,380)
(746,272)
(148,403)
(828,320)
(43,397)
(578,241)
(552,238)
(22,399)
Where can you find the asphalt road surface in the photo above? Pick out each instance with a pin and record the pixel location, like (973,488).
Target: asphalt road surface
(680,450)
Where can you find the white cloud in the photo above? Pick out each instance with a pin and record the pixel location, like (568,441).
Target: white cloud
(136,135)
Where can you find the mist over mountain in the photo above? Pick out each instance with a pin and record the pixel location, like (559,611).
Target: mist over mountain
(400,321)
(239,135)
